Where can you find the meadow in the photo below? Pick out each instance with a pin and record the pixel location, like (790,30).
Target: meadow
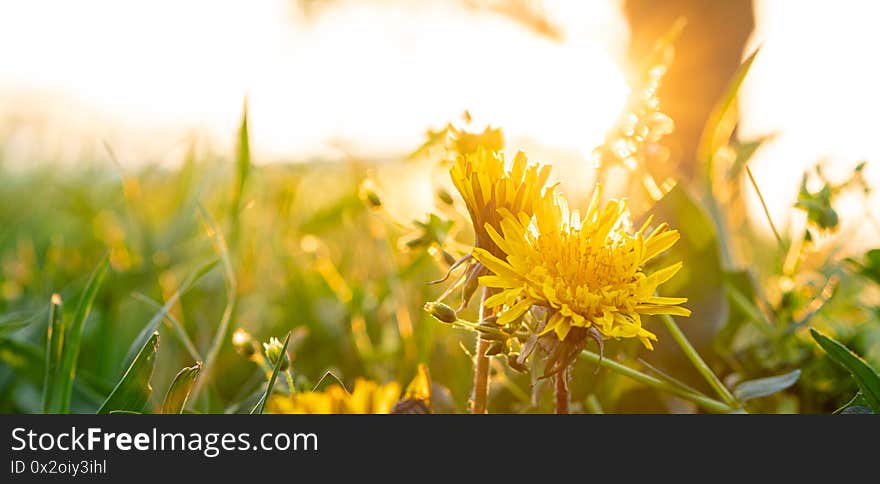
(219,285)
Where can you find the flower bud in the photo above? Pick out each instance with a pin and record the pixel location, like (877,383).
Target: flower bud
(444,196)
(369,196)
(273,350)
(496,348)
(442,312)
(513,362)
(243,343)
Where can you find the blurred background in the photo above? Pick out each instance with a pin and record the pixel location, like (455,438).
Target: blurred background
(331,78)
(117,118)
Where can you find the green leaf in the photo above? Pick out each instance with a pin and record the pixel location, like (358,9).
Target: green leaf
(54,344)
(261,405)
(857,401)
(153,323)
(865,376)
(133,389)
(243,154)
(871,267)
(178,392)
(763,387)
(722,121)
(745,150)
(73,338)
(12,322)
(857,410)
(701,279)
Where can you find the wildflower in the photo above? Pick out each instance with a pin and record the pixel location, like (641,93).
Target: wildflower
(273,350)
(417,398)
(489,188)
(368,397)
(587,273)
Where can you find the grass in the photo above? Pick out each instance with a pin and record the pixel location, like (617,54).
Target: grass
(185,255)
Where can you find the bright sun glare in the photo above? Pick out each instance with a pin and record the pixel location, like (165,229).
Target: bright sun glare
(366,77)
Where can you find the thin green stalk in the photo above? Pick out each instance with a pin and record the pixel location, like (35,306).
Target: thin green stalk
(701,400)
(290,388)
(764,206)
(54,344)
(231,301)
(480,395)
(698,362)
(175,323)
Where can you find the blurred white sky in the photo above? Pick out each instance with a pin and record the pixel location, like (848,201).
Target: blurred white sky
(370,77)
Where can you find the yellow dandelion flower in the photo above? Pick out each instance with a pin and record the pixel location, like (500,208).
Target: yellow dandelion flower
(588,272)
(487,187)
(490,188)
(368,397)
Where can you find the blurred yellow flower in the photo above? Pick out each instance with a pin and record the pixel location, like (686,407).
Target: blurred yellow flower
(587,272)
(366,398)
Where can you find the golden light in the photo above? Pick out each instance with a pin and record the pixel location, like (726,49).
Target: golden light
(366,77)
(815,86)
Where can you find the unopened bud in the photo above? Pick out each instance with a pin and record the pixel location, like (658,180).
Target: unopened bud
(513,362)
(273,350)
(496,348)
(444,196)
(243,343)
(369,196)
(442,312)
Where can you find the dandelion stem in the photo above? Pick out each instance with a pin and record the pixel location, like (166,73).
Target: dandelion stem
(701,400)
(562,396)
(480,397)
(698,361)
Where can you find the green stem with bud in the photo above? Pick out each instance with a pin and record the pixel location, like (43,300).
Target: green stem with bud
(480,396)
(701,400)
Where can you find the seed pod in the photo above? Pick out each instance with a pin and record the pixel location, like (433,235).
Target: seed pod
(496,348)
(442,312)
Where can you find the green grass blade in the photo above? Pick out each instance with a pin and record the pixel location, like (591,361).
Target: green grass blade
(231,296)
(722,121)
(243,167)
(12,322)
(133,389)
(261,405)
(72,339)
(153,323)
(54,343)
(179,330)
(178,392)
(865,376)
(857,401)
